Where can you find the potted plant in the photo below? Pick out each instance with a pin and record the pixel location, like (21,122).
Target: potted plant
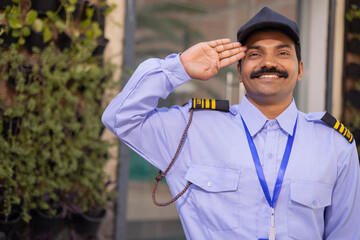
(51,152)
(352,109)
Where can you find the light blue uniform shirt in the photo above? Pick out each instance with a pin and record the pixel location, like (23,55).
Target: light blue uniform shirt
(319,198)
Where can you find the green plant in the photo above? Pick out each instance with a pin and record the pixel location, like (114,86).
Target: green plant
(353,13)
(354,112)
(51,153)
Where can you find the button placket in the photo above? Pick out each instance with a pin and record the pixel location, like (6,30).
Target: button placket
(270,166)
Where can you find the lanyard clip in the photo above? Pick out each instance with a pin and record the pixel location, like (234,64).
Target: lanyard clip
(272,231)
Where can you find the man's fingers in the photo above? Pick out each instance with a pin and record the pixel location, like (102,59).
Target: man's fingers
(219,42)
(231,52)
(230,60)
(224,47)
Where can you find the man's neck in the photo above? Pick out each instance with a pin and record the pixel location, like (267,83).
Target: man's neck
(271,110)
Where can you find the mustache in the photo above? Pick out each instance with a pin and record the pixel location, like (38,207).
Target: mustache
(266,70)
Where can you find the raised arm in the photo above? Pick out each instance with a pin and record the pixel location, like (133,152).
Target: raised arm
(132,115)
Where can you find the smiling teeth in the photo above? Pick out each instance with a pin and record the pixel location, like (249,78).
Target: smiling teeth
(269,76)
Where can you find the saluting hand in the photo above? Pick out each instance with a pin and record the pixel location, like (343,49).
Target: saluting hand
(203,60)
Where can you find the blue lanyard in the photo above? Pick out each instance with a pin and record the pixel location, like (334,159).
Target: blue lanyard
(259,169)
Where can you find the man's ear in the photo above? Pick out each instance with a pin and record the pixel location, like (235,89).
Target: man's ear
(239,72)
(301,69)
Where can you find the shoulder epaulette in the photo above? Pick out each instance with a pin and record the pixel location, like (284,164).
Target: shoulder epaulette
(331,121)
(210,104)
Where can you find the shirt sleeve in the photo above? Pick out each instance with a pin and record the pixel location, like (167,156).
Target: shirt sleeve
(132,115)
(343,216)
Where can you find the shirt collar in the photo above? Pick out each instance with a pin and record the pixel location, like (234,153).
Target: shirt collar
(255,120)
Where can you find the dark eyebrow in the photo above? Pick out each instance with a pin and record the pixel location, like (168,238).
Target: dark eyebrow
(254,47)
(284,46)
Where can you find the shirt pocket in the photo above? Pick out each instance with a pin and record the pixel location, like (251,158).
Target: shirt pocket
(214,196)
(306,209)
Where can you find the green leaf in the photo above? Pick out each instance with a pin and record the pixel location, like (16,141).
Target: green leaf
(61,25)
(21,41)
(50,14)
(349,17)
(110,9)
(70,9)
(354,7)
(89,12)
(86,23)
(47,35)
(31,16)
(8,112)
(15,33)
(25,31)
(16,1)
(357,14)
(96,29)
(15,23)
(2,16)
(38,25)
(31,104)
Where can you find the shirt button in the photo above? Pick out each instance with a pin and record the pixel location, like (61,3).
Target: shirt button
(314,202)
(270,156)
(210,184)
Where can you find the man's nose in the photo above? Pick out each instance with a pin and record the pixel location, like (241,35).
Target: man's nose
(268,61)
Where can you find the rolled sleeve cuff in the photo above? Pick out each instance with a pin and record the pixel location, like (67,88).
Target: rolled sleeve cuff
(175,71)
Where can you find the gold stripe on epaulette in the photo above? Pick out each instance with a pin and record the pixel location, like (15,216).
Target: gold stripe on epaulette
(350,137)
(346,130)
(213,104)
(339,127)
(341,130)
(207,103)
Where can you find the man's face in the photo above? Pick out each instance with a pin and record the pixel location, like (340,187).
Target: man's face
(270,68)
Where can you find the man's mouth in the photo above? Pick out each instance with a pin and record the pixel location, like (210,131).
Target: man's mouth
(269,73)
(267,76)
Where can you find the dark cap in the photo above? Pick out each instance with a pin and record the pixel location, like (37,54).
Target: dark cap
(268,18)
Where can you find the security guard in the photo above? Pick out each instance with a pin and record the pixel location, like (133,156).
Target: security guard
(258,170)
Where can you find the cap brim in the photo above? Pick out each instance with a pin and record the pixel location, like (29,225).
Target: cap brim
(243,35)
